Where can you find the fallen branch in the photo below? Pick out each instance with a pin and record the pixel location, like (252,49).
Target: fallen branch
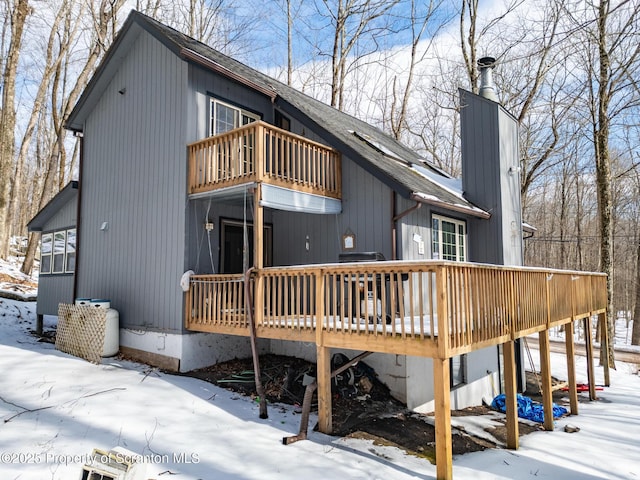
(31,410)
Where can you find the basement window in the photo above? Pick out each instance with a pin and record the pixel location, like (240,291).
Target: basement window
(458,367)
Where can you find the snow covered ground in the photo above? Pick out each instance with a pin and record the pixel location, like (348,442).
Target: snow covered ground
(57,408)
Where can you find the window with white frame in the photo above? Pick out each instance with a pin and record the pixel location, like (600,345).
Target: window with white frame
(58,252)
(70,262)
(225,117)
(449,242)
(448,239)
(45,252)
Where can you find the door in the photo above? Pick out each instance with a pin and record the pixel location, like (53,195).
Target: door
(232,246)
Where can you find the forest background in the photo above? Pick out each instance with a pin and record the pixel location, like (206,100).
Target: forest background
(568,70)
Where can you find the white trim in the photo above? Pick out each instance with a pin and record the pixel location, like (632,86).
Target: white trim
(437,255)
(49,254)
(237,118)
(57,253)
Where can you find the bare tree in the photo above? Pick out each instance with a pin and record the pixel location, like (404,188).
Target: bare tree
(18,11)
(354,23)
(103,18)
(418,22)
(615,65)
(56,49)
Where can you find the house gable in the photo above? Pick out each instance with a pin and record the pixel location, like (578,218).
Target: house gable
(60,211)
(393,164)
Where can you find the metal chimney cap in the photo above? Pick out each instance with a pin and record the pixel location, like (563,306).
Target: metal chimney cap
(487,62)
(486,65)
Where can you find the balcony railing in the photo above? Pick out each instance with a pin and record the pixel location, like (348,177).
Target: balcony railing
(437,309)
(259,152)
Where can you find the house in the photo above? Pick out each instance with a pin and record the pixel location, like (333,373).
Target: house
(145,220)
(301,230)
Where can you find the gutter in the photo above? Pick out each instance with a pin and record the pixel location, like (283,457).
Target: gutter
(430,200)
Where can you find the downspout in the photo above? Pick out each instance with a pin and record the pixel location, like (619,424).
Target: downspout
(80,137)
(394,230)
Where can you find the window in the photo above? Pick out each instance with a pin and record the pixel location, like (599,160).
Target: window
(449,239)
(58,252)
(45,253)
(225,117)
(59,247)
(282,122)
(458,366)
(70,264)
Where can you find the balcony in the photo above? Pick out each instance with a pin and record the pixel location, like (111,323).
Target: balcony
(261,153)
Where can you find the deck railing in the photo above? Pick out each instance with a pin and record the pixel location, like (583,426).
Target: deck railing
(456,307)
(259,152)
(216,300)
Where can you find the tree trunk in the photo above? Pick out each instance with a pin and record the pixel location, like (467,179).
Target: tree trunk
(635,331)
(603,177)
(8,117)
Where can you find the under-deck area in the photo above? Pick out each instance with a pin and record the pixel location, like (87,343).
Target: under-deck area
(432,309)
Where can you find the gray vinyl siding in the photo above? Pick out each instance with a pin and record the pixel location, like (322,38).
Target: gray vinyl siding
(366,211)
(489,149)
(203,246)
(134,178)
(416,222)
(205,83)
(65,217)
(57,288)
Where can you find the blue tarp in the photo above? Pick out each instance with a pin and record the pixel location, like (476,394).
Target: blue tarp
(527,408)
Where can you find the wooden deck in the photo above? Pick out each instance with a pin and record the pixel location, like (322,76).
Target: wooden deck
(430,309)
(261,153)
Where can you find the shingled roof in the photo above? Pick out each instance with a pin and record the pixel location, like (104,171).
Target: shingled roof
(396,165)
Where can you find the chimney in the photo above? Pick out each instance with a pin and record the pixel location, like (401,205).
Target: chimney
(485,65)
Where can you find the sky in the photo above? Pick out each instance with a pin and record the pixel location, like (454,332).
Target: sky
(56,409)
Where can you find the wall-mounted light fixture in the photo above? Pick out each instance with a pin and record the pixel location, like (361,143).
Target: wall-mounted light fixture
(307,243)
(105,226)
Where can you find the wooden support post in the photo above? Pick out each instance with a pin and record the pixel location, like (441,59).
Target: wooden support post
(323,367)
(571,367)
(545,373)
(444,451)
(604,339)
(511,394)
(324,389)
(258,229)
(588,346)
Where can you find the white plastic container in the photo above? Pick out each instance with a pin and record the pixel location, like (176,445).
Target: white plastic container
(112,325)
(111,329)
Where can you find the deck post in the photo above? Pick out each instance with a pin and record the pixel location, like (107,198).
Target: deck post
(444,450)
(545,373)
(571,367)
(588,346)
(325,424)
(511,395)
(323,366)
